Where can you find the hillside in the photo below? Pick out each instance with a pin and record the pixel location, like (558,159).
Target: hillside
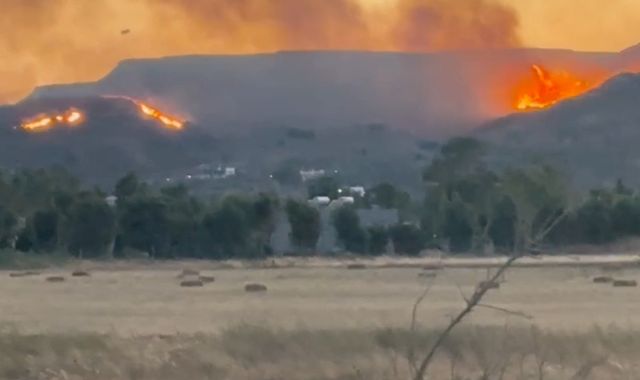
(436,95)
(594,137)
(362,114)
(113,140)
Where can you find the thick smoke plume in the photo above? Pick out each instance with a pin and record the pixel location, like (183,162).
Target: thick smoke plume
(49,41)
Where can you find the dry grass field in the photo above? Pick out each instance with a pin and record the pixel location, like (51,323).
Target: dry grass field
(316,322)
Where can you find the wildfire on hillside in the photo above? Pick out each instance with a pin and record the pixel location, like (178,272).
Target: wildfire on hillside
(546,88)
(44,122)
(167,120)
(147,110)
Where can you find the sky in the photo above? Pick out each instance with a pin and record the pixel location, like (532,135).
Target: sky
(587,25)
(61,41)
(591,25)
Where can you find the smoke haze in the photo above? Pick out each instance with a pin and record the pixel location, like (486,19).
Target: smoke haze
(53,41)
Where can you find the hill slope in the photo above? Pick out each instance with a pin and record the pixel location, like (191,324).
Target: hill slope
(113,140)
(595,137)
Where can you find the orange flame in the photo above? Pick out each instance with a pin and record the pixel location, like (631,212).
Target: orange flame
(169,121)
(45,122)
(547,88)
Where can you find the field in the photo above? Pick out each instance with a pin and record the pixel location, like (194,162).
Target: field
(316,321)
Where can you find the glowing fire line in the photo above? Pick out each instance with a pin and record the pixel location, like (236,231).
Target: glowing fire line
(164,118)
(45,122)
(169,121)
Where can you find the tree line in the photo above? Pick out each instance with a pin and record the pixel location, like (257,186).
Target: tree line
(467,207)
(46,211)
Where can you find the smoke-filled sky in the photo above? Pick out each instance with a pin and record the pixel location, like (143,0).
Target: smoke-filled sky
(52,41)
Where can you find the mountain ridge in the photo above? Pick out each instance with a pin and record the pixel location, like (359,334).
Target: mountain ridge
(420,92)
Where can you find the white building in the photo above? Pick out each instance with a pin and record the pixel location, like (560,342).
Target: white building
(308,175)
(357,190)
(111,200)
(320,201)
(342,201)
(224,172)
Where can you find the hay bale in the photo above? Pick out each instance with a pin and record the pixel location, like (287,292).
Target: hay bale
(602,280)
(191,284)
(55,279)
(80,273)
(433,266)
(255,288)
(188,272)
(428,274)
(356,266)
(207,279)
(489,285)
(24,274)
(625,283)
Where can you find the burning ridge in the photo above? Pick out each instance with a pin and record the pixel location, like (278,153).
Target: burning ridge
(74,116)
(45,122)
(147,110)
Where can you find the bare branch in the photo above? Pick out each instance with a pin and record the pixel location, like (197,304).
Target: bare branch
(479,293)
(475,299)
(462,295)
(507,311)
(551,226)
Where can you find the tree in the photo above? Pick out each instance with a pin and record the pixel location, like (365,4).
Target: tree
(458,225)
(184,215)
(45,228)
(128,186)
(92,227)
(63,202)
(228,229)
(469,193)
(8,228)
(596,224)
(305,224)
(350,234)
(378,240)
(622,189)
(479,192)
(388,196)
(32,190)
(541,201)
(434,215)
(175,192)
(407,239)
(324,187)
(24,240)
(502,231)
(265,209)
(625,216)
(144,225)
